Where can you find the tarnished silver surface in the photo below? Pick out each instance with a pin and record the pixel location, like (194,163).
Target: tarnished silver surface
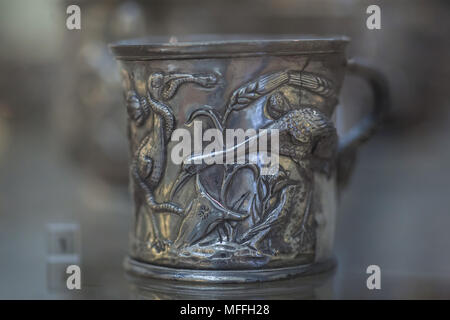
(230,223)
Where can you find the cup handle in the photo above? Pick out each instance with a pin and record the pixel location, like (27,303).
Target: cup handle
(362,131)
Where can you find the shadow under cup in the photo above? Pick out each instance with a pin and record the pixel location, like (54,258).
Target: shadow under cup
(229,222)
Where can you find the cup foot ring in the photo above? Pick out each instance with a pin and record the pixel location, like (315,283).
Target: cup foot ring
(139,269)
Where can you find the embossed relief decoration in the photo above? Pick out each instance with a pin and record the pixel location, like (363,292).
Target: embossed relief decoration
(240,216)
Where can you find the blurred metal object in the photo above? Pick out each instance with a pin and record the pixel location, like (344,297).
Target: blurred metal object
(230,223)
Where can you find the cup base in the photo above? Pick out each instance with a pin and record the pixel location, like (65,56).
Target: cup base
(146,270)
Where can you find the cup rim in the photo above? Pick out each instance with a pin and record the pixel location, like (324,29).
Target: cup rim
(225,46)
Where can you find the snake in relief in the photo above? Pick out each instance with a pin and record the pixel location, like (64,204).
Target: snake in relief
(149,160)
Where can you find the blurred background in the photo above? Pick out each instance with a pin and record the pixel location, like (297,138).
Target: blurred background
(63,150)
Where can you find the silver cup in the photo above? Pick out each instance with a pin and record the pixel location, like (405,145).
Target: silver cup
(230,222)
